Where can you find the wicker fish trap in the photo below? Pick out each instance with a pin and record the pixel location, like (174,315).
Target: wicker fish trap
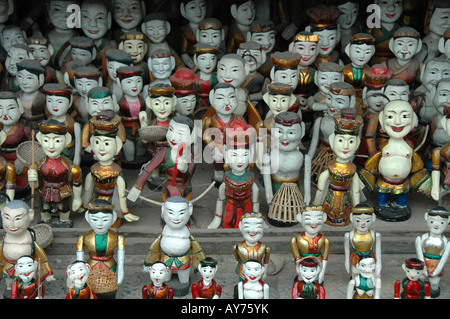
(286,203)
(44,234)
(102,280)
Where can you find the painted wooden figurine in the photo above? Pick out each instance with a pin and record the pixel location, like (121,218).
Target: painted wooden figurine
(131,104)
(82,49)
(58,180)
(26,286)
(362,240)
(412,286)
(20,240)
(211,31)
(185,82)
(114,59)
(366,285)
(136,44)
(396,169)
(58,104)
(444,45)
(281,179)
(128,15)
(348,25)
(78,274)
(194,11)
(253,287)
(343,191)
(158,289)
(207,287)
(16,53)
(176,246)
(306,285)
(264,33)
(104,178)
(311,242)
(161,64)
(243,13)
(436,23)
(205,59)
(42,51)
(252,228)
(405,45)
(433,248)
(238,194)
(107,270)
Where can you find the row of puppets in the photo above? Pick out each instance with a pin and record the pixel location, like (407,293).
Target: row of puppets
(372,103)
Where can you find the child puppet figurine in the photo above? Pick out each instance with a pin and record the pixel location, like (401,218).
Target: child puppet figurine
(311,242)
(58,180)
(366,285)
(104,178)
(158,289)
(412,286)
(207,288)
(363,240)
(343,190)
(58,102)
(433,248)
(101,243)
(20,240)
(77,275)
(185,82)
(176,160)
(281,180)
(306,286)
(130,105)
(399,168)
(253,287)
(26,286)
(252,228)
(194,11)
(238,194)
(176,246)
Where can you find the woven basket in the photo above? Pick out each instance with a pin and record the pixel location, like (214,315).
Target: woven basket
(102,281)
(44,234)
(25,152)
(153,133)
(286,203)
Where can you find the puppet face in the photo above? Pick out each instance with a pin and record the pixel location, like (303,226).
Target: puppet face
(325,79)
(195,11)
(132,86)
(441,99)
(136,48)
(53,144)
(84,85)
(186,104)
(345,146)
(4,10)
(104,148)
(58,14)
(26,268)
(366,266)
(97,105)
(14,56)
(162,107)
(158,273)
(360,54)
(211,37)
(206,62)
(253,271)
(112,68)
(288,137)
(161,68)
(390,10)
(405,48)
(328,40)
(16,221)
(413,274)
(253,58)
(207,272)
(12,36)
(156,30)
(265,39)
(434,71)
(349,14)
(394,92)
(128,13)
(287,76)
(95,20)
(440,21)
(245,13)
(279,103)
(376,100)
(176,214)
(312,221)
(307,50)
(238,159)
(100,222)
(252,229)
(57,105)
(82,55)
(336,103)
(28,82)
(178,134)
(78,273)
(41,53)
(308,274)
(230,70)
(225,101)
(436,224)
(362,222)
(10,112)
(398,118)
